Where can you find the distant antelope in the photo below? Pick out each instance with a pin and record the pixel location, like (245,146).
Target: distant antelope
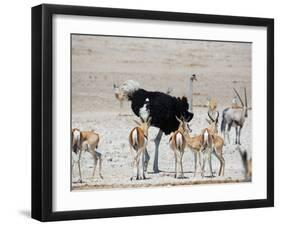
(120,96)
(177,143)
(234,117)
(138,140)
(86,141)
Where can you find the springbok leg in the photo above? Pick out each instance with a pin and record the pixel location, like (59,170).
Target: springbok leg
(157,142)
(222,162)
(143,164)
(210,163)
(100,164)
(121,107)
(181,155)
(195,163)
(176,164)
(95,164)
(79,167)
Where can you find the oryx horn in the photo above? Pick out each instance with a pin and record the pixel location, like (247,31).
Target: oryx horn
(239,97)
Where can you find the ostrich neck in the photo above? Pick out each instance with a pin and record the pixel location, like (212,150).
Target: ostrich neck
(190,94)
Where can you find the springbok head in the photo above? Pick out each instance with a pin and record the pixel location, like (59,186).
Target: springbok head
(212,104)
(244,104)
(213,122)
(183,125)
(144,124)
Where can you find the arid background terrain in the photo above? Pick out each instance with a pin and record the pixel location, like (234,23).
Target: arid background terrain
(157,64)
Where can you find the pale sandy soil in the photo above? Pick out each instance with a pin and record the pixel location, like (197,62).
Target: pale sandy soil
(156,64)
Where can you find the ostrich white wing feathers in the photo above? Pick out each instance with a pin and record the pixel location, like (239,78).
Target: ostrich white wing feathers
(144,111)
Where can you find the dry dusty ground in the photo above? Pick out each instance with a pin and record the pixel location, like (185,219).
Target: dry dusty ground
(157,64)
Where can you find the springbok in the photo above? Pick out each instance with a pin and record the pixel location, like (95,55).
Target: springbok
(204,144)
(217,144)
(234,117)
(138,140)
(192,143)
(177,143)
(86,141)
(212,109)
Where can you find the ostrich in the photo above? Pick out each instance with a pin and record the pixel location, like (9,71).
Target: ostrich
(163,110)
(190,81)
(119,95)
(234,117)
(120,90)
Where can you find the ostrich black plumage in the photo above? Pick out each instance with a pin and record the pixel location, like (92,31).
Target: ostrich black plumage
(162,108)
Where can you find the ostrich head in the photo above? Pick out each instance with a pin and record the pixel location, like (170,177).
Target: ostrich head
(193,78)
(184,109)
(129,87)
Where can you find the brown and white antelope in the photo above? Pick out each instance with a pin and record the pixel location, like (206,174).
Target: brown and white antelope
(212,108)
(193,143)
(217,144)
(205,144)
(86,141)
(138,140)
(177,143)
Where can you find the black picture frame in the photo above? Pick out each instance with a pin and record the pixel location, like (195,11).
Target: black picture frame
(42,108)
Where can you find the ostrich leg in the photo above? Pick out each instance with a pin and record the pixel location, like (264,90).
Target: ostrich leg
(146,160)
(157,142)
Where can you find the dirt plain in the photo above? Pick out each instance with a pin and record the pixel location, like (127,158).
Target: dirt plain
(157,64)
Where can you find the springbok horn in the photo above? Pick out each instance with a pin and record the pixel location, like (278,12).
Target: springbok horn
(217,118)
(238,96)
(178,119)
(209,121)
(137,122)
(210,116)
(142,119)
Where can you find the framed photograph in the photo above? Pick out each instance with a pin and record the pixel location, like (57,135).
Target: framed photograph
(145,112)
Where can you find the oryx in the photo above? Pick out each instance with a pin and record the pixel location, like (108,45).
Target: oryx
(234,117)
